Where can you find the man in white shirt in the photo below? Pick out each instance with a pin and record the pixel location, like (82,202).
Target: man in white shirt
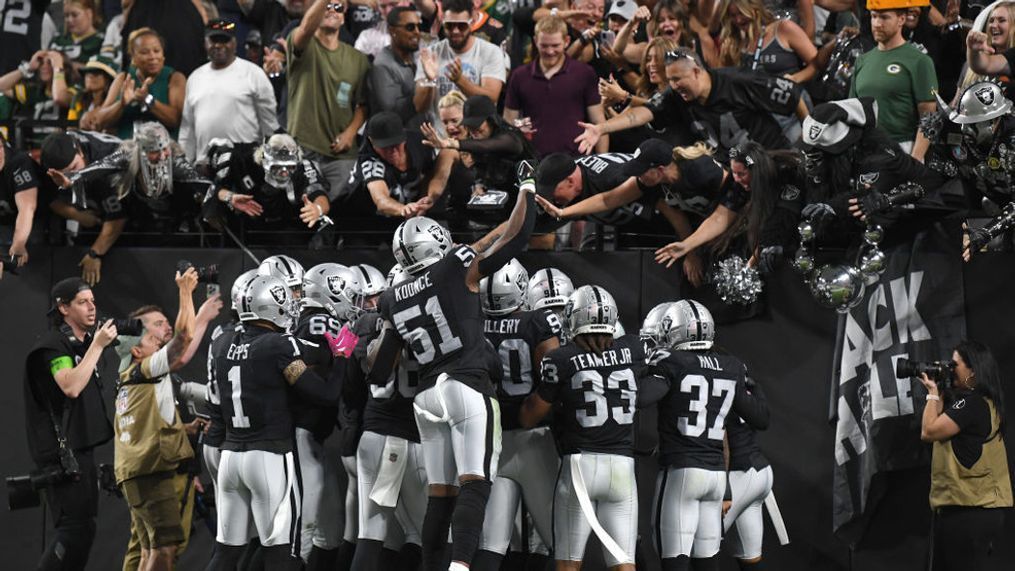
(462,62)
(227,98)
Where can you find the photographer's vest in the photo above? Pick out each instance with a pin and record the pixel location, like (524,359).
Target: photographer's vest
(84,419)
(145,443)
(987,484)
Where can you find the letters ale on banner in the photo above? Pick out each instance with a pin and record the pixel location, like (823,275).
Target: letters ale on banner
(914,311)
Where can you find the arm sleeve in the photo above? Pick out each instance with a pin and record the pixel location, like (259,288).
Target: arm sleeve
(651,389)
(20,165)
(549,386)
(751,406)
(384,89)
(924,79)
(490,264)
(384,363)
(318,390)
(493,64)
(503,143)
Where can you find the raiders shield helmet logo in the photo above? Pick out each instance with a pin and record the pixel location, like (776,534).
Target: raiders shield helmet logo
(814,131)
(435,231)
(985,95)
(869,177)
(336,284)
(278,294)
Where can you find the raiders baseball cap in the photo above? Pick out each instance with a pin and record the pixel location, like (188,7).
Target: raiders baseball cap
(651,153)
(385,129)
(477,109)
(219,28)
(58,151)
(64,291)
(551,171)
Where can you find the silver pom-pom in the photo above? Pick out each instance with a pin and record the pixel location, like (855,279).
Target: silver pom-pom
(806,230)
(803,262)
(873,234)
(873,262)
(736,282)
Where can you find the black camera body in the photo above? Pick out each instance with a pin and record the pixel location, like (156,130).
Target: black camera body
(23,491)
(938,371)
(130,327)
(205,274)
(9,264)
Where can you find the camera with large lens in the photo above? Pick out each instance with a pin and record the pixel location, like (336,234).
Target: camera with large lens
(205,274)
(129,327)
(938,371)
(23,491)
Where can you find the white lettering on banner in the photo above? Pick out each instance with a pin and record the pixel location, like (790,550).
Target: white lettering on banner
(894,322)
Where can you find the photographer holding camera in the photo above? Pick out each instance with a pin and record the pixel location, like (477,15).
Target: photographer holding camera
(151,440)
(969,468)
(66,419)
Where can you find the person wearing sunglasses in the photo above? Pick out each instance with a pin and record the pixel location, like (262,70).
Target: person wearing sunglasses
(372,40)
(327,92)
(460,62)
(390,82)
(227,98)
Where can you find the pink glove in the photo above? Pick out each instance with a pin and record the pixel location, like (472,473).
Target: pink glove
(342,345)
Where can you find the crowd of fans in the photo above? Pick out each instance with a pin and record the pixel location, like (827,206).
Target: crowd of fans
(327,123)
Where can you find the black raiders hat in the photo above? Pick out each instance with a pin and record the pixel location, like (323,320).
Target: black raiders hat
(385,129)
(551,170)
(651,153)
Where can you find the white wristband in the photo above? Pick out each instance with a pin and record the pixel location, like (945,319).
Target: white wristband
(933,397)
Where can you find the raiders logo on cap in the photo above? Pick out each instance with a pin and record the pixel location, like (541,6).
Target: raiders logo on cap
(985,95)
(336,284)
(278,294)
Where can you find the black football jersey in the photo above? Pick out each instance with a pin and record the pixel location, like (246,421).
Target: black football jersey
(595,395)
(388,409)
(21,31)
(515,338)
(692,415)
(221,338)
(403,186)
(441,322)
(18,175)
(741,437)
(604,172)
(235,168)
(253,391)
(310,328)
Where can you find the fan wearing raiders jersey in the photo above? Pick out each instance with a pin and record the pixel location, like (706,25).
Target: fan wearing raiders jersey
(389,459)
(437,315)
(695,388)
(271,185)
(259,484)
(722,107)
(528,461)
(19,195)
(750,482)
(331,297)
(592,382)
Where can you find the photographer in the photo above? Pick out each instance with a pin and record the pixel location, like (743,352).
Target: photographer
(66,418)
(151,441)
(969,468)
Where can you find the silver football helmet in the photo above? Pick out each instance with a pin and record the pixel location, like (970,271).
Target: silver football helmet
(687,326)
(397,275)
(420,242)
(371,280)
(549,287)
(334,287)
(591,310)
(981,101)
(279,157)
(266,298)
(238,287)
(284,268)
(618,330)
(504,291)
(155,158)
(649,331)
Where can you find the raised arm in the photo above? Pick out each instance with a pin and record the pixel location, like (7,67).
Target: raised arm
(515,237)
(612,199)
(631,117)
(183,331)
(312,19)
(73,379)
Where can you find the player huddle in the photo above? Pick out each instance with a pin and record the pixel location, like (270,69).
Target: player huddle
(473,400)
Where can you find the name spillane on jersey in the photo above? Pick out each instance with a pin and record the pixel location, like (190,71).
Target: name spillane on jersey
(221,337)
(388,409)
(692,415)
(515,337)
(441,321)
(596,394)
(313,323)
(253,391)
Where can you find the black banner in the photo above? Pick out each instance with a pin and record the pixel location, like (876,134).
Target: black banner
(915,310)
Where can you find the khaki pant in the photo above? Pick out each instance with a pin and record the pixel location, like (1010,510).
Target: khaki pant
(133,556)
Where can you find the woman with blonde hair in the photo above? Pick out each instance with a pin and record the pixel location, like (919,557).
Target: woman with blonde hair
(80,40)
(998,22)
(752,38)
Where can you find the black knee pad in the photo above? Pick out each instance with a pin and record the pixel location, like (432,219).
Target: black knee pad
(467,523)
(678,563)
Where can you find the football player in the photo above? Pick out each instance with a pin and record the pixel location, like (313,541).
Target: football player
(437,314)
(259,485)
(221,338)
(19,196)
(695,388)
(649,332)
(272,184)
(750,482)
(593,382)
(549,288)
(528,461)
(392,508)
(373,282)
(286,269)
(332,297)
